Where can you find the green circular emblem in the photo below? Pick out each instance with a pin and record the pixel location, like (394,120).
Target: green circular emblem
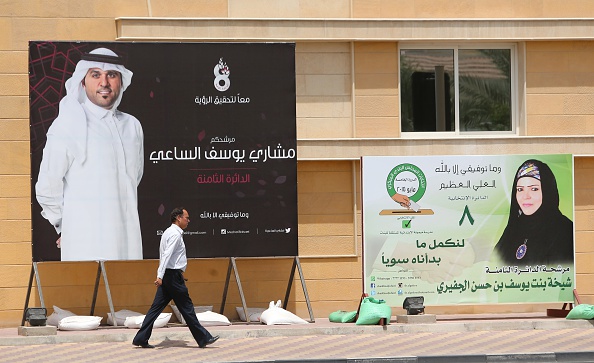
(407,179)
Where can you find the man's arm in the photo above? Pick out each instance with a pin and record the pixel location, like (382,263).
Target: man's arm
(166,250)
(49,189)
(141,155)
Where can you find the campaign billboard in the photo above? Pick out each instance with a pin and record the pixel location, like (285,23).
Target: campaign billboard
(468,229)
(121,133)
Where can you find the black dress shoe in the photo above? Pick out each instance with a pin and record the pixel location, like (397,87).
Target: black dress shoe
(210,341)
(144,345)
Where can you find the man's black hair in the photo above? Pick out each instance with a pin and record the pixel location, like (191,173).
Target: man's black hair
(176,212)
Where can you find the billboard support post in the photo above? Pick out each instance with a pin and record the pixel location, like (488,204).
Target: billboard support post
(296,265)
(233,265)
(567,306)
(34,272)
(101,271)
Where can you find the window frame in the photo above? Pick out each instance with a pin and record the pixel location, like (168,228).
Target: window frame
(515,117)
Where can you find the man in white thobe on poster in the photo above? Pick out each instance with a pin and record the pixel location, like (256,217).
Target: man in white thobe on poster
(92,164)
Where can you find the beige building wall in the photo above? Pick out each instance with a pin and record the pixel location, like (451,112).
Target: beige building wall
(491,9)
(560,88)
(347,89)
(323,76)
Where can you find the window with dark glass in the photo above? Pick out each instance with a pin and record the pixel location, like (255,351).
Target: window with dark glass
(456,90)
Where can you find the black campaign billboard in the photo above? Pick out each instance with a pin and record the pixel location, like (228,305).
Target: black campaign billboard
(206,126)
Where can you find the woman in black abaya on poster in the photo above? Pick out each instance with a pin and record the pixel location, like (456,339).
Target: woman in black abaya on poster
(537,233)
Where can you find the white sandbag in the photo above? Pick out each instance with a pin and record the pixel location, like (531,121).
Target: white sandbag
(57,315)
(197,309)
(253,313)
(208,318)
(136,321)
(79,322)
(120,316)
(275,315)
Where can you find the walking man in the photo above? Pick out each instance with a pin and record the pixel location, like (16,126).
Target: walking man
(171,284)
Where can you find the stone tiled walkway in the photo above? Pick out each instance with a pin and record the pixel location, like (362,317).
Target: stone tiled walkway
(529,339)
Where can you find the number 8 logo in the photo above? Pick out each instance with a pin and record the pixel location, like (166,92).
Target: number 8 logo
(221,73)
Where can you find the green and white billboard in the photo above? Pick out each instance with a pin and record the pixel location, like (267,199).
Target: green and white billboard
(468,229)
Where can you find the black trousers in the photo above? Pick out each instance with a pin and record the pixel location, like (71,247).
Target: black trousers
(173,287)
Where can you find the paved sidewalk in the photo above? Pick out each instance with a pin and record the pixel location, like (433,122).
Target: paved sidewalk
(476,338)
